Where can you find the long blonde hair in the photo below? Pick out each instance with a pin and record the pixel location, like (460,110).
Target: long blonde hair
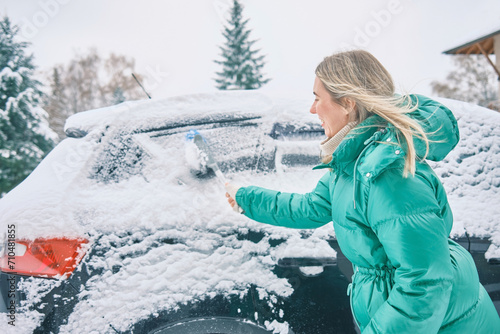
(358,76)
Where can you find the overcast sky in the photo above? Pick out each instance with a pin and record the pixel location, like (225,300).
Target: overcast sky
(174,43)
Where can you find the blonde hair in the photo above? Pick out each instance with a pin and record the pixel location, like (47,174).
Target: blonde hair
(358,76)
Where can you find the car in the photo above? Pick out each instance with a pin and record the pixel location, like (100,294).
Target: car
(123,228)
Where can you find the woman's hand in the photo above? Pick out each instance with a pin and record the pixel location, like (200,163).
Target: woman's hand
(231,191)
(230,200)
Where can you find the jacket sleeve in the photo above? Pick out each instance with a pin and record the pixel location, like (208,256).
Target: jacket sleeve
(409,225)
(310,210)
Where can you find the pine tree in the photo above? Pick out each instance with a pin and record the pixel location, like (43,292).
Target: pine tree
(25,137)
(241,67)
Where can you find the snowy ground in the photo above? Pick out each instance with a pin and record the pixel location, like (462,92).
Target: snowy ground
(165,201)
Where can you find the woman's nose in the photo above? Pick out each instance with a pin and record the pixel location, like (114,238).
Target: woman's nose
(313,109)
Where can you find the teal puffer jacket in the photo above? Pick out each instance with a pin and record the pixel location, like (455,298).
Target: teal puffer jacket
(409,277)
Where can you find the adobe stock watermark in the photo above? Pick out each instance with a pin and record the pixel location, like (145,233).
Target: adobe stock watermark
(363,35)
(73,161)
(154,77)
(49,9)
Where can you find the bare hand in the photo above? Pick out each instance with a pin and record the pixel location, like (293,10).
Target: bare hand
(231,191)
(230,200)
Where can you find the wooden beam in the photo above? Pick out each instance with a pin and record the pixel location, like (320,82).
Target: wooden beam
(488,45)
(488,58)
(470,50)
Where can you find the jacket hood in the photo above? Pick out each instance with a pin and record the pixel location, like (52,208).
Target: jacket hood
(439,124)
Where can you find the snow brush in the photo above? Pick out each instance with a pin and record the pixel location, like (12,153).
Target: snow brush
(205,159)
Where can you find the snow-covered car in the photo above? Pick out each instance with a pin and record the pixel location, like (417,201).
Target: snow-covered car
(123,229)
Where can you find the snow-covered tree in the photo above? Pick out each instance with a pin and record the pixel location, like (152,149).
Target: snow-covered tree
(473,80)
(25,137)
(241,64)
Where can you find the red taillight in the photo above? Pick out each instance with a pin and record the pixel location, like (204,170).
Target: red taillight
(52,258)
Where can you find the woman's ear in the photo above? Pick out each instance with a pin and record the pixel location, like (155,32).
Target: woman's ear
(350,109)
(349,105)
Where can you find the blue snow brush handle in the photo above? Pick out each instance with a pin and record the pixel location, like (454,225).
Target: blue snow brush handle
(191,133)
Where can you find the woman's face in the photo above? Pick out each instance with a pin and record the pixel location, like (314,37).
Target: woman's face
(332,115)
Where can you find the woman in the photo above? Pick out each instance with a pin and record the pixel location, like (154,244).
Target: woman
(389,210)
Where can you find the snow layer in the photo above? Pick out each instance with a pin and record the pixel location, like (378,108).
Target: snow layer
(147,113)
(170,238)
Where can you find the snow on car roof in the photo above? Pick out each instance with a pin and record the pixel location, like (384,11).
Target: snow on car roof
(145,114)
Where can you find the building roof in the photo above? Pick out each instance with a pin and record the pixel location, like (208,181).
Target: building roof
(474,47)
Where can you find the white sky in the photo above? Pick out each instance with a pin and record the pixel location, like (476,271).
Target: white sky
(175,42)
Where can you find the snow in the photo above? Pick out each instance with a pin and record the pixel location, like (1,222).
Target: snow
(194,157)
(45,195)
(135,222)
(277,327)
(493,251)
(147,113)
(471,176)
(7,76)
(311,271)
(42,127)
(296,246)
(470,173)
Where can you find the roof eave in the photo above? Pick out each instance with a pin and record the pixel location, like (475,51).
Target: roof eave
(456,50)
